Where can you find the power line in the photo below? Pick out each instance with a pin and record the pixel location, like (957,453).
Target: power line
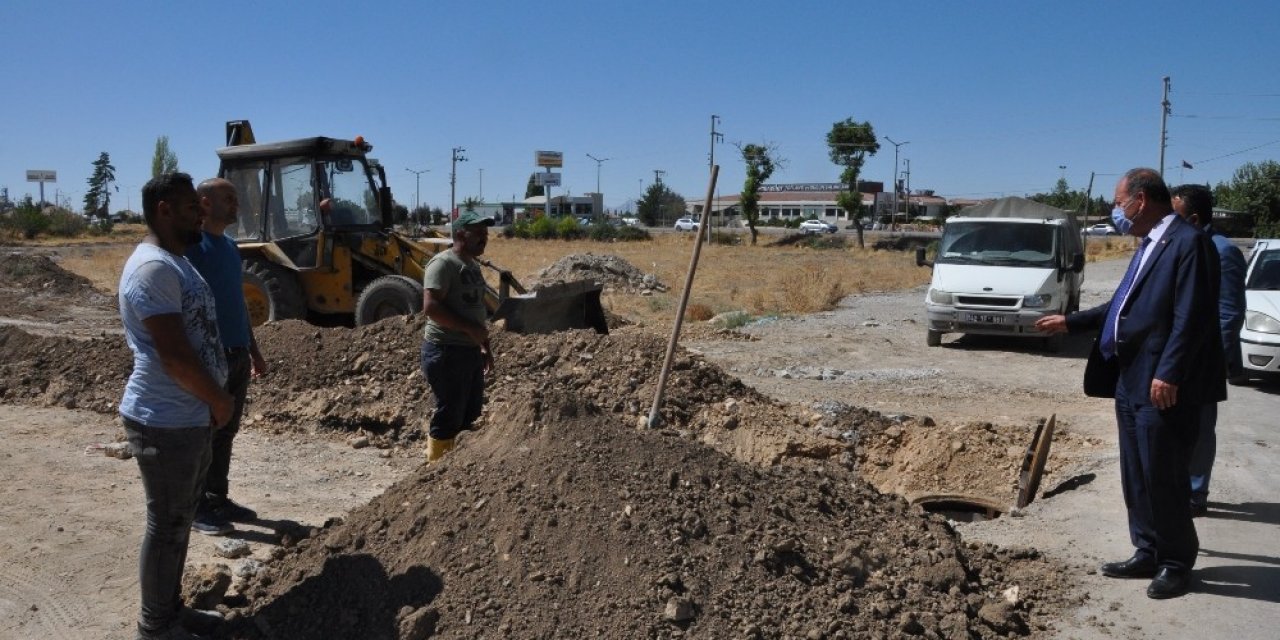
(1200,117)
(1236,153)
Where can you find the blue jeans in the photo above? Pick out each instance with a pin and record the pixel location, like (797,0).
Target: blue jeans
(1202,456)
(173,462)
(456,377)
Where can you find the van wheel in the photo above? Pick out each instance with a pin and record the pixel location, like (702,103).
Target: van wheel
(271,293)
(1053,344)
(933,338)
(386,297)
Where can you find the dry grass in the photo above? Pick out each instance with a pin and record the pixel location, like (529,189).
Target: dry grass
(1107,247)
(761,280)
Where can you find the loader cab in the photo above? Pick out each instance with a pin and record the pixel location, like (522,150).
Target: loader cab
(294,193)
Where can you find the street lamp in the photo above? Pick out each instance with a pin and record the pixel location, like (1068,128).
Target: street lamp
(895,174)
(417,179)
(453,180)
(599,161)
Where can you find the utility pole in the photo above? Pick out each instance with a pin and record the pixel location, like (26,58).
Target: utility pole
(1063,169)
(895,175)
(1164,117)
(906,213)
(657,179)
(482,184)
(599,161)
(453,180)
(417,194)
(715,137)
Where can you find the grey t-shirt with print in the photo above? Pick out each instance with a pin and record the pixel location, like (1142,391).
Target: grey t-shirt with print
(156,282)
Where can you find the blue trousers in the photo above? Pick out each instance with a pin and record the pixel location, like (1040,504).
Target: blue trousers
(173,462)
(1155,449)
(456,377)
(1202,457)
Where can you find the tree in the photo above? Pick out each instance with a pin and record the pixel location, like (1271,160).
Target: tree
(164,160)
(658,203)
(848,144)
(761,163)
(1255,190)
(97,200)
(533,188)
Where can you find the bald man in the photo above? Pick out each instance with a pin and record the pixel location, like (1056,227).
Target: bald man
(218,260)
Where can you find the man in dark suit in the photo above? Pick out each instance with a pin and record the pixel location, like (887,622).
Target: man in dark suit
(1158,355)
(1194,202)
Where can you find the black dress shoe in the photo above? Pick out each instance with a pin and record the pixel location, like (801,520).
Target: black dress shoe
(1135,567)
(1169,583)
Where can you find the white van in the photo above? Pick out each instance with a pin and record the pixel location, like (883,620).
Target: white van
(1000,267)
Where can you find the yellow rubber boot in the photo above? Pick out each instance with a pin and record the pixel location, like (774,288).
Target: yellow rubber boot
(437,448)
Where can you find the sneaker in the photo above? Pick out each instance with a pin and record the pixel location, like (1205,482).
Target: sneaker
(230,510)
(210,523)
(175,632)
(200,621)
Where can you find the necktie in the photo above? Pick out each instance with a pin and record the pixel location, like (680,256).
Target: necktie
(1107,343)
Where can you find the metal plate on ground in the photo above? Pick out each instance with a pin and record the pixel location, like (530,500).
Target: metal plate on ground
(1034,460)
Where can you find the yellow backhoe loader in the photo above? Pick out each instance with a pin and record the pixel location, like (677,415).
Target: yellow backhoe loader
(317,242)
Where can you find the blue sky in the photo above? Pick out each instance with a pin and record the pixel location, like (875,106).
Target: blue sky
(991,97)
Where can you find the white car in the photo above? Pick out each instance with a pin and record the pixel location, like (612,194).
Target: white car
(1260,335)
(686,224)
(1101,229)
(817,226)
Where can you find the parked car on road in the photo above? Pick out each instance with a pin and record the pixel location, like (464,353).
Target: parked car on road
(816,226)
(1101,229)
(686,224)
(1260,335)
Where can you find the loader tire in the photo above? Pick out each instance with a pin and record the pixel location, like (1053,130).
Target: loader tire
(386,297)
(272,293)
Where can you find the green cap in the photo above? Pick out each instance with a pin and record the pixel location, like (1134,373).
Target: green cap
(468,218)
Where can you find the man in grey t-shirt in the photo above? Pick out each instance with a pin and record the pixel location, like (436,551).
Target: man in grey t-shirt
(455,350)
(174,397)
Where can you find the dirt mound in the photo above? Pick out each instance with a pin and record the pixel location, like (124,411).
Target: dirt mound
(610,270)
(63,372)
(34,286)
(560,521)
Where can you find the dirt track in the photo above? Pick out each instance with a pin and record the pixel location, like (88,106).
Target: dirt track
(70,543)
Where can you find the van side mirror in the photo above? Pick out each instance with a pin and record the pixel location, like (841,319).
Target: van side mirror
(1077,262)
(920,261)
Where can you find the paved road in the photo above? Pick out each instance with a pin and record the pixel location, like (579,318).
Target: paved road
(1237,594)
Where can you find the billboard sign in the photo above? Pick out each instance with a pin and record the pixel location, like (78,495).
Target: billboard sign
(547,179)
(552,159)
(39,175)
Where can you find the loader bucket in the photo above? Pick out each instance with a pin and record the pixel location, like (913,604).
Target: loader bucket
(568,305)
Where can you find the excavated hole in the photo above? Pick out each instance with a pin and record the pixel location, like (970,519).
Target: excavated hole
(960,508)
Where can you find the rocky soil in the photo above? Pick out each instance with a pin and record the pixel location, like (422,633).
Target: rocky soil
(563,517)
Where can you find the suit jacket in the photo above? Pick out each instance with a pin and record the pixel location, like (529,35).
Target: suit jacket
(1168,327)
(1231,300)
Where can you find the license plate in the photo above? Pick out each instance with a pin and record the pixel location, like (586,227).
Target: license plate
(984,318)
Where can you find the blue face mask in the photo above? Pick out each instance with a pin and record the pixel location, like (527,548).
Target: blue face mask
(1123,224)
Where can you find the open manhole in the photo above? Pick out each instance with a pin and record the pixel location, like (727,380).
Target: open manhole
(960,508)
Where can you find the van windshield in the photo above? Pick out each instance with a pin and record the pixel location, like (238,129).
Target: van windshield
(1013,244)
